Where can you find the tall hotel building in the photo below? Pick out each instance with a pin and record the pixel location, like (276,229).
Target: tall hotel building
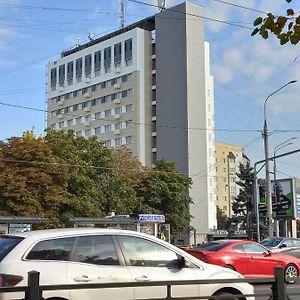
(147,86)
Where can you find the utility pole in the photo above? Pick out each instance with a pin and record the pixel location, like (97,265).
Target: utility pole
(268,180)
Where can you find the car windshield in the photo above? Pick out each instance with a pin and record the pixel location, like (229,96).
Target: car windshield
(7,243)
(212,246)
(271,242)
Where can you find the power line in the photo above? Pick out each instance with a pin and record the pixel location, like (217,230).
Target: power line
(240,6)
(194,15)
(137,123)
(78,10)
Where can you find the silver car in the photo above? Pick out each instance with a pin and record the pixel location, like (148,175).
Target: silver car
(286,245)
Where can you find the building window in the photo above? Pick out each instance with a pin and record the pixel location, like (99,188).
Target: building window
(118,141)
(118,110)
(88,132)
(128,124)
(61,75)
(107,113)
(128,140)
(53,77)
(154,142)
(79,69)
(118,126)
(107,143)
(70,122)
(97,62)
(107,57)
(78,120)
(70,71)
(78,133)
(98,130)
(117,53)
(129,108)
(88,65)
(98,116)
(128,50)
(107,128)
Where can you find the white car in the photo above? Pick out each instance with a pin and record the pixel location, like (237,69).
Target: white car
(91,255)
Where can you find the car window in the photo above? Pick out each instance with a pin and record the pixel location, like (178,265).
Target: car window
(7,243)
(144,253)
(254,248)
(271,242)
(287,242)
(212,246)
(54,249)
(296,243)
(97,250)
(238,249)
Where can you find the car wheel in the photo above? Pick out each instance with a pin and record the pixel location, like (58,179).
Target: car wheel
(229,267)
(290,271)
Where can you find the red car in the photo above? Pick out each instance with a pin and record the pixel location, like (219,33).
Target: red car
(246,257)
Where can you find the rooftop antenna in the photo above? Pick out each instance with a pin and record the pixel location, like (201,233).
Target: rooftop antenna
(122,13)
(90,36)
(161,5)
(78,42)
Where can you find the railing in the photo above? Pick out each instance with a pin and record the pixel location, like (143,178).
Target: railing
(34,291)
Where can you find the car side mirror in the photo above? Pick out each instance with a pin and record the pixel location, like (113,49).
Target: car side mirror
(267,253)
(181,262)
(283,246)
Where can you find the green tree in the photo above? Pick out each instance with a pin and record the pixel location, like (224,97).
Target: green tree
(285,27)
(164,190)
(242,205)
(222,219)
(29,187)
(89,164)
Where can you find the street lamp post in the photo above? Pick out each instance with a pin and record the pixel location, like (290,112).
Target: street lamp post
(266,147)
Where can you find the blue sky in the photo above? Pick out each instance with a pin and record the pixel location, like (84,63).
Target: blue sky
(245,69)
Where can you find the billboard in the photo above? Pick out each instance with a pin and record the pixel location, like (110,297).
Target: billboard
(283,199)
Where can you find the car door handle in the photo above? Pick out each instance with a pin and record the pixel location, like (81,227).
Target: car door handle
(142,279)
(82,278)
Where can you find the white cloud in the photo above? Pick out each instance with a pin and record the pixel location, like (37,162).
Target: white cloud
(222,74)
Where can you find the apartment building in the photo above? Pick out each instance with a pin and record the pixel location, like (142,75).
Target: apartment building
(147,86)
(228,159)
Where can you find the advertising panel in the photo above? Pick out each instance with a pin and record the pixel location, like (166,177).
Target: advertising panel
(283,199)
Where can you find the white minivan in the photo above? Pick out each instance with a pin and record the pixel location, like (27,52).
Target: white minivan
(96,255)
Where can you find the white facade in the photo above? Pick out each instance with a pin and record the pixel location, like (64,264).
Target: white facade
(155,98)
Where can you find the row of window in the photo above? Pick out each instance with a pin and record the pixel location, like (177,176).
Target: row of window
(116,142)
(92,62)
(94,102)
(93,88)
(104,129)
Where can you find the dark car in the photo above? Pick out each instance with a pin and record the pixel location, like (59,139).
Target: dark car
(286,245)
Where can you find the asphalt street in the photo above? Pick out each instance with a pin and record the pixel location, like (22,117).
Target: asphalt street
(263,292)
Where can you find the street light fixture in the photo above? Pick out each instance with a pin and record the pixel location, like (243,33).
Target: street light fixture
(266,146)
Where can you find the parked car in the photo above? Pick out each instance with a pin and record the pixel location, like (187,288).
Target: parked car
(286,245)
(246,257)
(83,255)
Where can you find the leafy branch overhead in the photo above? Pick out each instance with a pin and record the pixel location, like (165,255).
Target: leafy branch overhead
(285,28)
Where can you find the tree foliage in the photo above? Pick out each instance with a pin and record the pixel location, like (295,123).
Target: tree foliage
(242,206)
(29,187)
(61,176)
(286,27)
(164,190)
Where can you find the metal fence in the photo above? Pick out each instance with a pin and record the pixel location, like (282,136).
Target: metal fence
(278,291)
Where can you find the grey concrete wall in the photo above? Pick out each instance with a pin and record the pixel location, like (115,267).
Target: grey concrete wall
(181,101)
